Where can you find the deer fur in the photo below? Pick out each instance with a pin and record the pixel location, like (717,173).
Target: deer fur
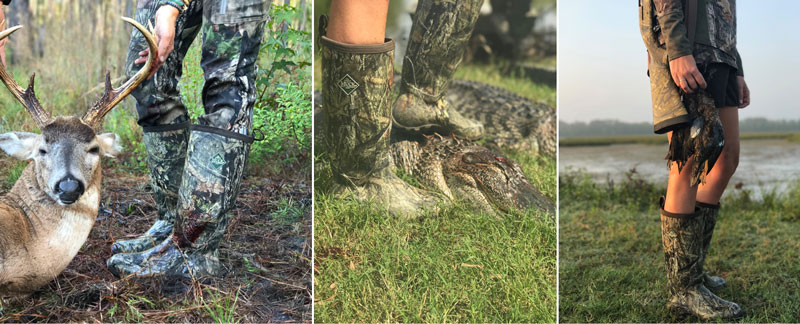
(39,235)
(50,210)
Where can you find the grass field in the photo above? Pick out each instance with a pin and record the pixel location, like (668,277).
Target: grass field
(662,139)
(612,264)
(455,265)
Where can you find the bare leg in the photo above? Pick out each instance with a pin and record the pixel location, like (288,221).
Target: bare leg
(717,180)
(680,194)
(358,21)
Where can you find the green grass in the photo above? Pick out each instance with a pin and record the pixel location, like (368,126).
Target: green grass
(661,139)
(612,264)
(452,266)
(455,265)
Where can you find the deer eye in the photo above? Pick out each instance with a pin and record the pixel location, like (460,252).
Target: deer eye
(94,150)
(42,151)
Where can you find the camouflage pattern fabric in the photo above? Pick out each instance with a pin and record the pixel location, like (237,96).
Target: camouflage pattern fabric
(439,36)
(358,95)
(214,171)
(668,110)
(218,145)
(709,213)
(357,92)
(231,38)
(721,35)
(166,155)
(682,238)
(715,40)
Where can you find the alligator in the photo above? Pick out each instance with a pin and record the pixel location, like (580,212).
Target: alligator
(478,174)
(510,121)
(461,169)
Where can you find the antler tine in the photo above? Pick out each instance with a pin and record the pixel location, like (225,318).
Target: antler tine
(26,97)
(94,116)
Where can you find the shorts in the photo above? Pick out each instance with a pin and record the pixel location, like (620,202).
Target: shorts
(722,84)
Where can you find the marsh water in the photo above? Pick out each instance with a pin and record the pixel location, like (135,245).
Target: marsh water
(764,165)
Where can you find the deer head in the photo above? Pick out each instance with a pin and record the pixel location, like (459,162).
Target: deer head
(66,155)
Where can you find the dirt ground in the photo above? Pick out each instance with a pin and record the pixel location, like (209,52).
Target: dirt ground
(266,252)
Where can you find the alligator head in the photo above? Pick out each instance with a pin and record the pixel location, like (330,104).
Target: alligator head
(462,170)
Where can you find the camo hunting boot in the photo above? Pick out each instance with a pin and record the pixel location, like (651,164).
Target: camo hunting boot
(682,238)
(214,169)
(710,213)
(436,47)
(356,112)
(166,155)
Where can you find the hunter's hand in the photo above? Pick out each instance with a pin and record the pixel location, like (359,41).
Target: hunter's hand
(686,75)
(744,92)
(165,37)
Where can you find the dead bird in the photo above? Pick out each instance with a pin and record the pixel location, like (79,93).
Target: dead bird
(702,140)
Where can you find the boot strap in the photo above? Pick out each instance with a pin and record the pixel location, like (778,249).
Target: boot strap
(225,133)
(664,212)
(416,91)
(707,205)
(167,127)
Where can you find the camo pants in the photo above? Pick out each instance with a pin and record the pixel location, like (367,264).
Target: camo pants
(232,33)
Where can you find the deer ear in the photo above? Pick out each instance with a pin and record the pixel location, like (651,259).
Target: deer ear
(20,145)
(109,144)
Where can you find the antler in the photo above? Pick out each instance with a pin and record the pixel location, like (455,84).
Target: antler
(113,96)
(26,97)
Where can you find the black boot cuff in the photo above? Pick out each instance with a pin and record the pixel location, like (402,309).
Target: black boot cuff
(166,128)
(225,133)
(707,205)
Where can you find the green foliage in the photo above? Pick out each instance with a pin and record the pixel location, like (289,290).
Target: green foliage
(193,80)
(283,111)
(221,308)
(288,212)
(12,173)
(634,191)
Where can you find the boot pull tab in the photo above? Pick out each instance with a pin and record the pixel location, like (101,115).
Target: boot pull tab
(322,28)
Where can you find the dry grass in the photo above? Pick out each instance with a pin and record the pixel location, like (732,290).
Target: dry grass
(266,251)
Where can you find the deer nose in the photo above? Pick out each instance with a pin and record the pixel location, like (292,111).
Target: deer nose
(69,189)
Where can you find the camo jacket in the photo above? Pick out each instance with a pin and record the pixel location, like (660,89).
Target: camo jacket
(715,37)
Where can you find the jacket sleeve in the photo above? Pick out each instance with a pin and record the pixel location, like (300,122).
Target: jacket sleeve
(673,28)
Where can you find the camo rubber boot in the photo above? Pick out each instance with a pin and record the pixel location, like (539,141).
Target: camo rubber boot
(710,213)
(682,237)
(356,120)
(214,169)
(439,36)
(166,155)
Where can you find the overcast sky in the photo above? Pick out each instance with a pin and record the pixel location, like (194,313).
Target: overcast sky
(602,60)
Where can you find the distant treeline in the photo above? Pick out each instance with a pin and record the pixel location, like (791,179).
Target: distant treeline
(619,128)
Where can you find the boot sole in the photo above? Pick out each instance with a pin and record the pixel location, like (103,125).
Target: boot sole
(681,311)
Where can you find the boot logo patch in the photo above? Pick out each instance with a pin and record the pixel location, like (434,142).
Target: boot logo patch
(217,161)
(347,84)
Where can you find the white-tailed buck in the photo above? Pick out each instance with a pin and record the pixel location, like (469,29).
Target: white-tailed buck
(47,215)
